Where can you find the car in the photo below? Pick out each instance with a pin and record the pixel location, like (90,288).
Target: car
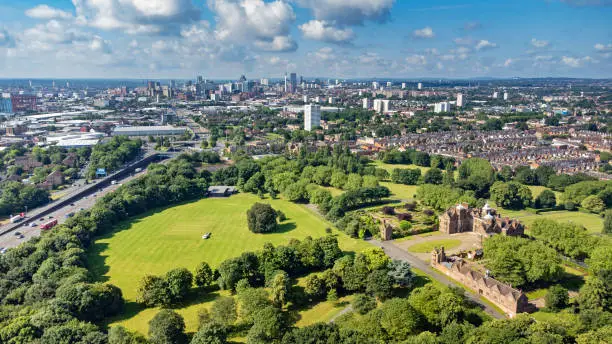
(72,204)
(33,224)
(3,250)
(21,236)
(50,217)
(206,236)
(81,209)
(17,233)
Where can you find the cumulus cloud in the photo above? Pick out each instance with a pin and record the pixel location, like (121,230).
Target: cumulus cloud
(99,45)
(267,25)
(416,60)
(576,62)
(603,47)
(425,32)
(543,57)
(136,16)
(508,62)
(324,54)
(353,12)
(485,45)
(321,30)
(47,12)
(45,36)
(539,44)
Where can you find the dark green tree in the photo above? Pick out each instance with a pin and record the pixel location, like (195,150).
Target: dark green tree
(167,327)
(261,218)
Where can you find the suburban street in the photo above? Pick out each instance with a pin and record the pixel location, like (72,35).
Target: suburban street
(397,253)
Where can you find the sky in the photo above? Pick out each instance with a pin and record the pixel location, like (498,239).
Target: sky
(223,39)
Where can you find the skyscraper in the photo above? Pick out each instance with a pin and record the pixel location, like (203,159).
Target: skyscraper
(293,82)
(442,107)
(312,116)
(505,95)
(420,86)
(459,100)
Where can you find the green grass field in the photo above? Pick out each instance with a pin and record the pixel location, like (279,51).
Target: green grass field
(592,222)
(391,167)
(165,239)
(426,247)
(401,191)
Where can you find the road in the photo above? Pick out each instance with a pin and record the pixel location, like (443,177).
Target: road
(12,239)
(397,253)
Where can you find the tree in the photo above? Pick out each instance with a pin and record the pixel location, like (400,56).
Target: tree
(595,294)
(261,218)
(270,325)
(406,176)
(353,182)
(167,327)
(433,176)
(211,333)
(511,195)
(280,288)
(607,228)
(363,303)
(252,300)
(204,275)
(224,311)
(314,286)
(370,181)
(153,291)
(400,320)
(401,273)
(120,335)
(179,282)
(379,284)
(593,204)
(556,298)
(546,199)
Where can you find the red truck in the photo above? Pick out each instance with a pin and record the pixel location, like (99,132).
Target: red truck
(48,225)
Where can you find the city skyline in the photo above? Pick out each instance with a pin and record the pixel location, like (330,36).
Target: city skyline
(345,39)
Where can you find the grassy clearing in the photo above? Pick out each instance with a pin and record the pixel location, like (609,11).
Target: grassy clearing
(536,190)
(401,191)
(592,222)
(391,167)
(168,238)
(426,247)
(572,280)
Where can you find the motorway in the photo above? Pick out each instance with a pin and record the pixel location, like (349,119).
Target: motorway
(12,239)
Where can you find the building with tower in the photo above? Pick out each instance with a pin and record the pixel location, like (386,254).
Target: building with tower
(485,221)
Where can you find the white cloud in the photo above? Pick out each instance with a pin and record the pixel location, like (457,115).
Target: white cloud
(44,37)
(351,12)
(136,16)
(100,45)
(539,44)
(321,30)
(508,62)
(485,45)
(266,25)
(324,54)
(576,62)
(425,32)
(47,12)
(603,47)
(416,60)
(278,43)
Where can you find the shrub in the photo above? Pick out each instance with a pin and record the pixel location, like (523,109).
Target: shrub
(410,206)
(388,211)
(281,216)
(428,212)
(569,205)
(404,217)
(405,225)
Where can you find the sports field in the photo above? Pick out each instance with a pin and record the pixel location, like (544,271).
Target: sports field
(162,240)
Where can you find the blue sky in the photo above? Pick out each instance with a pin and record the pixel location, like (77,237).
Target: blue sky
(333,38)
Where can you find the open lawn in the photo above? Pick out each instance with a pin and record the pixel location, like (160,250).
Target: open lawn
(536,190)
(592,222)
(391,167)
(427,247)
(401,191)
(168,238)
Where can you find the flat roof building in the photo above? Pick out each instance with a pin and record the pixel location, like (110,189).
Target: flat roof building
(312,116)
(158,130)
